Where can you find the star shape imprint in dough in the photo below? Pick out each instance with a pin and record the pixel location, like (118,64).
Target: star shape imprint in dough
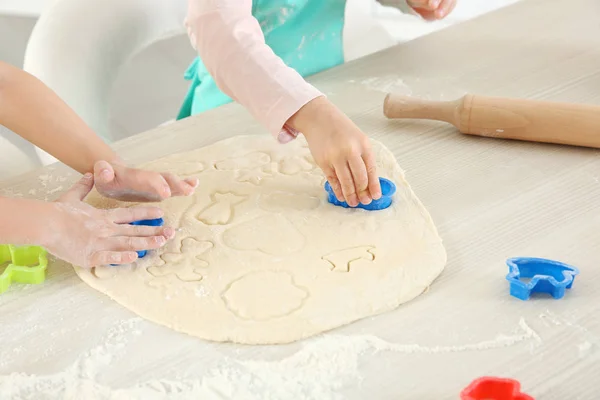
(254,176)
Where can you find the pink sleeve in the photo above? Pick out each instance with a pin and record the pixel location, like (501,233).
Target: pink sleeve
(232,46)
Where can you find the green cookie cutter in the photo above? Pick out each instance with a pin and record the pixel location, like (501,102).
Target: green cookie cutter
(26,264)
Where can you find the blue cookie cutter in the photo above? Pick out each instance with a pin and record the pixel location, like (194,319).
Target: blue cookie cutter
(146,222)
(387,191)
(546,276)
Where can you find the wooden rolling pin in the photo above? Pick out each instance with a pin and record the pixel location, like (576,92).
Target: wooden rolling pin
(530,120)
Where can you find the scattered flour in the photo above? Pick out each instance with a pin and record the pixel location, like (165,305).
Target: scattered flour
(584,348)
(590,342)
(76,381)
(318,370)
(388,84)
(49,184)
(427,89)
(10,192)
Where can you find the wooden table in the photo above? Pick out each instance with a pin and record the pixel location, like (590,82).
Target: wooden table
(491,200)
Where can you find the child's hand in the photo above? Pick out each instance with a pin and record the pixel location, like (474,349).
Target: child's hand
(432,10)
(341,150)
(120,182)
(85,236)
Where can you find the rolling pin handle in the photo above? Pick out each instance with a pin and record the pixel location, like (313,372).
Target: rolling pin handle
(398,106)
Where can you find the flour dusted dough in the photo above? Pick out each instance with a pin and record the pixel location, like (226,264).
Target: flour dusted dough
(262,257)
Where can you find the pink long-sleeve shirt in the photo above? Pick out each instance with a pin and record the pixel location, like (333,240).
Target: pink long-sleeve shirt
(232,46)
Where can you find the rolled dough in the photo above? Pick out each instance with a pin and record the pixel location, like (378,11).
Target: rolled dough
(261,257)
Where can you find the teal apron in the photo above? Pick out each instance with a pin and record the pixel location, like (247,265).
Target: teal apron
(305,34)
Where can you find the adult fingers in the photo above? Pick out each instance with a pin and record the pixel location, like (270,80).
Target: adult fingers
(344,175)
(127,215)
(193,182)
(361,179)
(112,257)
(371,166)
(143,230)
(133,243)
(78,191)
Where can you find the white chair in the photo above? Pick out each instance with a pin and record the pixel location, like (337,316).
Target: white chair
(18,155)
(78,47)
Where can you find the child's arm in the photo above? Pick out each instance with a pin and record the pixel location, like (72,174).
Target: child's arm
(35,112)
(78,233)
(232,46)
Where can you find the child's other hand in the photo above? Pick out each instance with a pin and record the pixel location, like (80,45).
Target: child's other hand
(120,182)
(432,10)
(341,150)
(89,237)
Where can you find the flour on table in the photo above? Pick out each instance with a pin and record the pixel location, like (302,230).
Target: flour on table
(261,257)
(320,370)
(388,84)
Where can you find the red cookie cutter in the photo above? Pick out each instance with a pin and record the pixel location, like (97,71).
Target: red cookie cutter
(490,388)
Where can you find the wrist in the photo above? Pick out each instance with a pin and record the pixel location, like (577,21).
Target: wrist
(47,230)
(27,222)
(115,160)
(316,113)
(99,151)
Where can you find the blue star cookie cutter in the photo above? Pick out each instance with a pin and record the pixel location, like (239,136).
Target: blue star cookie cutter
(528,275)
(146,222)
(387,192)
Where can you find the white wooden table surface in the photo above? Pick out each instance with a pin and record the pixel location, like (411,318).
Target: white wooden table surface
(491,200)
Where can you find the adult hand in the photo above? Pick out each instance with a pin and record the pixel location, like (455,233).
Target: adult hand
(85,236)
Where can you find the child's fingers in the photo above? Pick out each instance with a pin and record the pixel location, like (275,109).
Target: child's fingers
(371,166)
(342,170)
(427,15)
(150,182)
(425,4)
(445,8)
(178,187)
(439,11)
(103,172)
(361,179)
(141,185)
(334,183)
